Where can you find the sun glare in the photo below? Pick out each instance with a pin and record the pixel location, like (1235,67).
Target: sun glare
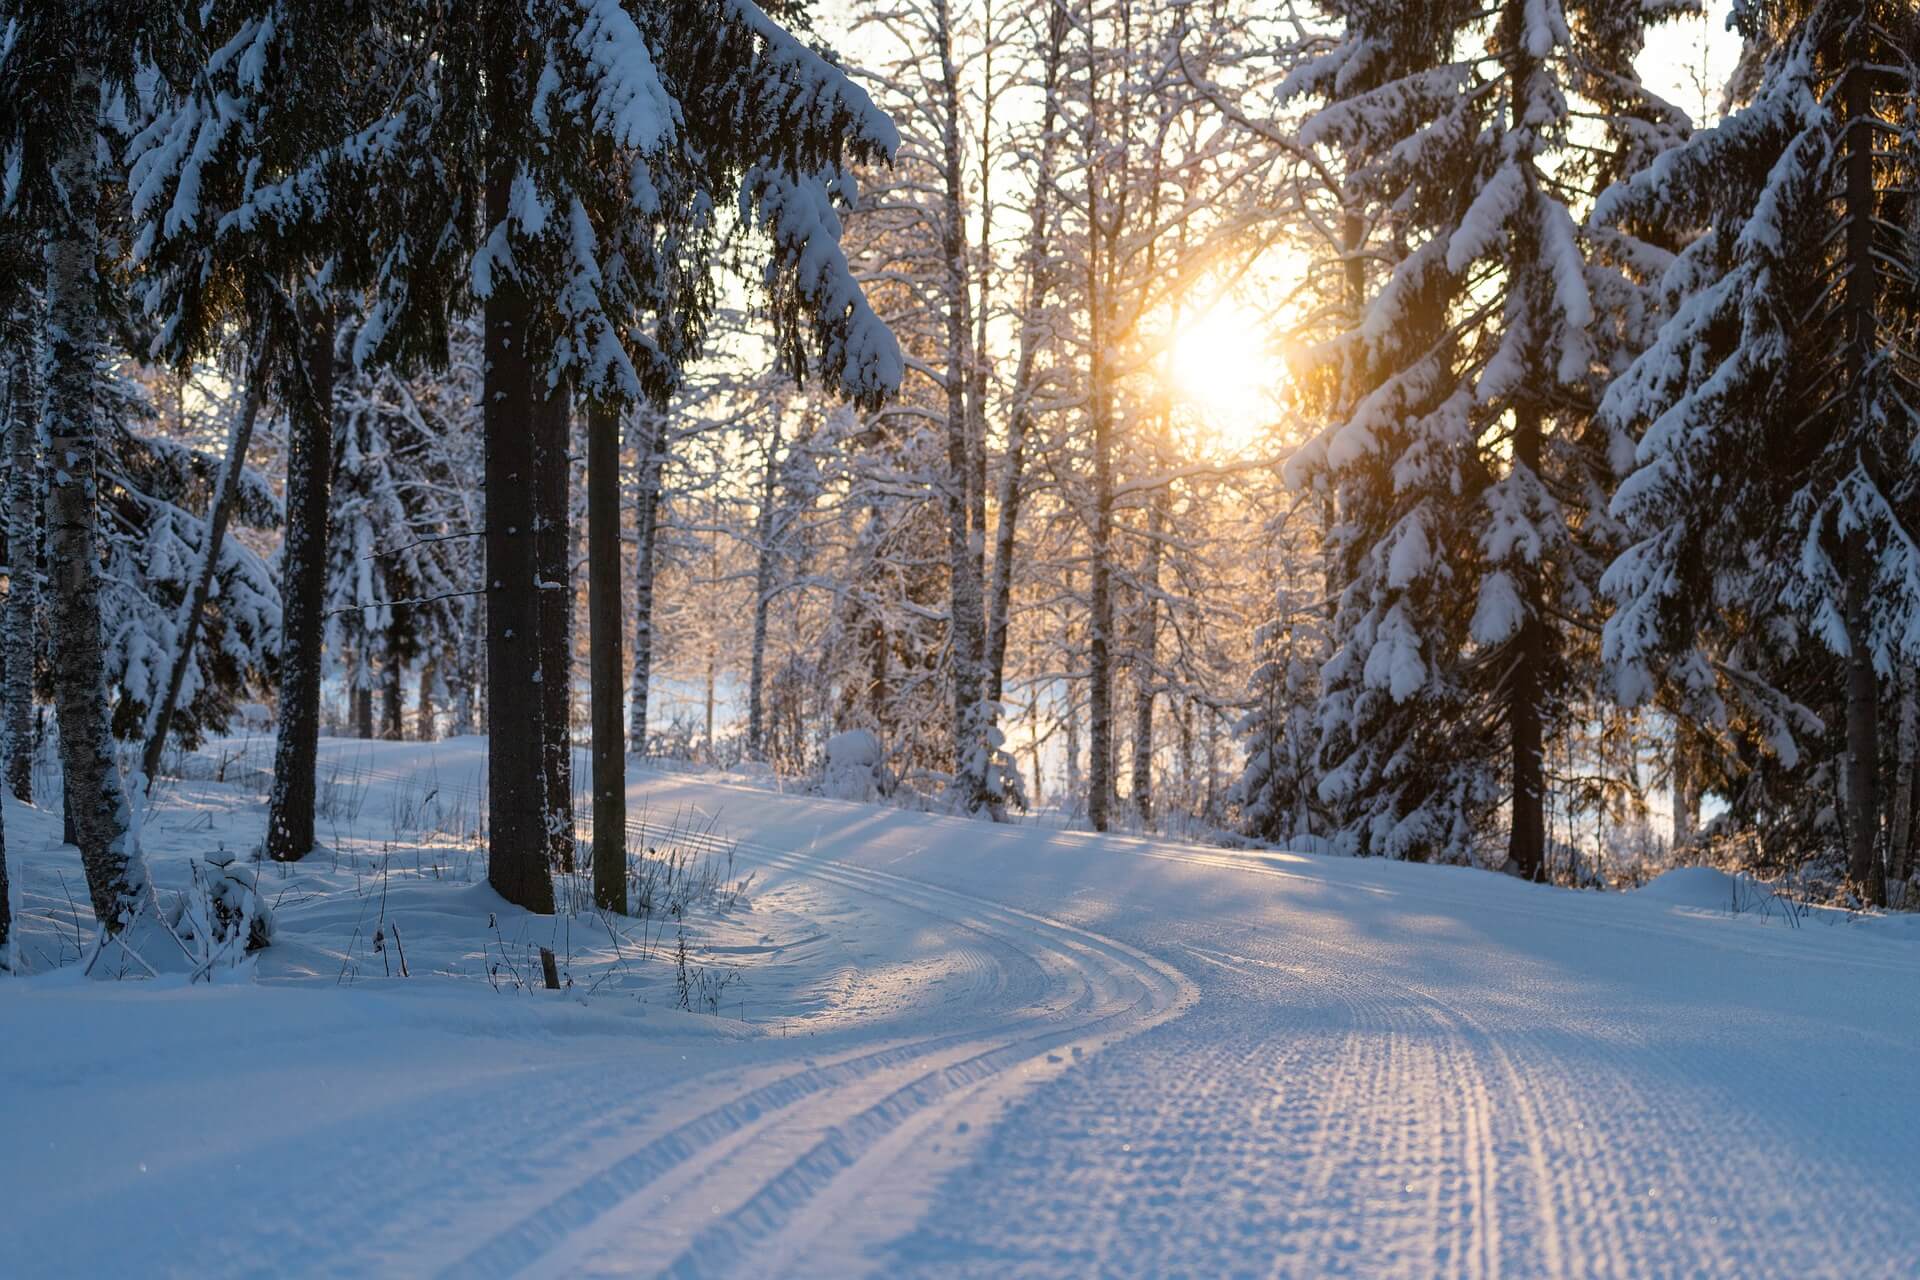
(1225,374)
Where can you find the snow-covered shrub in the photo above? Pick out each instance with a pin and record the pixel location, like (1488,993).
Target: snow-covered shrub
(221,917)
(856,767)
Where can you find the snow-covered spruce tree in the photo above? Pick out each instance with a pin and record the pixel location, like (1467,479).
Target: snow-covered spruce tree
(225,495)
(399,565)
(1461,448)
(61,70)
(1276,790)
(1771,493)
(156,494)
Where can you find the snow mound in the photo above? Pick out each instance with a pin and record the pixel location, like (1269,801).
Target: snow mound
(1698,887)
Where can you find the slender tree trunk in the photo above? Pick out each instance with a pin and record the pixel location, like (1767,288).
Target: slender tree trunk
(303,601)
(653,443)
(1147,642)
(1686,786)
(879,682)
(363,695)
(116,873)
(1860,776)
(1100,625)
(518,841)
(1900,837)
(187,629)
(23,544)
(603,661)
(762,593)
(1071,716)
(424,728)
(553,473)
(970,748)
(393,706)
(1861,282)
(1527,837)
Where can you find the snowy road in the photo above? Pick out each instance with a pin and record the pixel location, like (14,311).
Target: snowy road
(1047,1054)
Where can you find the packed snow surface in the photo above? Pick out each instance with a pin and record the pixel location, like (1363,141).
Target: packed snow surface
(955,1048)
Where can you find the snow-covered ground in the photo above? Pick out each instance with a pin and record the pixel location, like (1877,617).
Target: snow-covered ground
(948,1048)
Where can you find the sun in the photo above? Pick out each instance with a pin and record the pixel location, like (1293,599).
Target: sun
(1225,373)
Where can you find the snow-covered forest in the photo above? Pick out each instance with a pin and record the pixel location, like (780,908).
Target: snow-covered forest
(1277,434)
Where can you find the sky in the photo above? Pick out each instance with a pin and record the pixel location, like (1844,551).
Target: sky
(1678,53)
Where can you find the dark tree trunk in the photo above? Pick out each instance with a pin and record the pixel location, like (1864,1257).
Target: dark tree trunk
(393,709)
(1861,277)
(1900,834)
(762,595)
(160,721)
(603,660)
(1145,676)
(1527,838)
(552,468)
(424,728)
(1100,625)
(362,696)
(23,555)
(517,852)
(966,641)
(652,427)
(1861,775)
(303,601)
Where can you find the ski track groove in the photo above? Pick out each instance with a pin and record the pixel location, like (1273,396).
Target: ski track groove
(1110,990)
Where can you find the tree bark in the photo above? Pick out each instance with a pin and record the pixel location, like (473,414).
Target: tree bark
(361,695)
(160,717)
(966,644)
(1861,282)
(116,873)
(23,546)
(1861,775)
(1686,785)
(1145,676)
(652,428)
(552,468)
(1100,625)
(1900,836)
(518,843)
(424,727)
(393,710)
(762,594)
(1527,836)
(603,661)
(303,599)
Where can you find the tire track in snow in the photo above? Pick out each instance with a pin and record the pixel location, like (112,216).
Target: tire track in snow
(1101,990)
